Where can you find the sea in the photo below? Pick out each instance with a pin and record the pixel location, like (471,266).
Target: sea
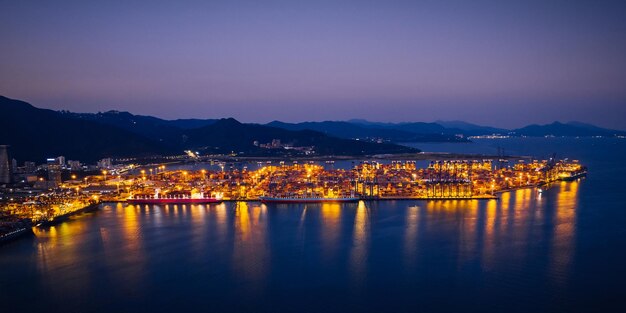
(562,250)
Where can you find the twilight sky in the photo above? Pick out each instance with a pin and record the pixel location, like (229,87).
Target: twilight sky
(500,63)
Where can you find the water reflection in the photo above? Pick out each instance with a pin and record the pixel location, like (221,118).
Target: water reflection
(491,221)
(468,232)
(330,228)
(126,254)
(496,230)
(250,251)
(410,236)
(59,255)
(360,236)
(520,238)
(564,221)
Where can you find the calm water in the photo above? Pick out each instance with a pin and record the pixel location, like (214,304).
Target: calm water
(563,251)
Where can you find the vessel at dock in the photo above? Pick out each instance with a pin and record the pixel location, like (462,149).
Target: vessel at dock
(570,176)
(307,199)
(4,238)
(66,216)
(173,198)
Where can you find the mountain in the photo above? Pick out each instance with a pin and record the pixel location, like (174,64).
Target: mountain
(35,134)
(346,130)
(191,123)
(470,129)
(413,127)
(168,132)
(449,128)
(574,129)
(158,130)
(409,132)
(228,135)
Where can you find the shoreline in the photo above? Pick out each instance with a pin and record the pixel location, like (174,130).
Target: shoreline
(61,218)
(10,237)
(420,156)
(399,156)
(16,234)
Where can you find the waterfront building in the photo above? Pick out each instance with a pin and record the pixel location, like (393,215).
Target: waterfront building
(5,165)
(54,172)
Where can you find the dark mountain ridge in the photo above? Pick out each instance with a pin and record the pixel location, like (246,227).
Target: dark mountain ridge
(571,129)
(414,132)
(35,134)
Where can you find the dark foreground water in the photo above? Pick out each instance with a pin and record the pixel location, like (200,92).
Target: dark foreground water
(562,251)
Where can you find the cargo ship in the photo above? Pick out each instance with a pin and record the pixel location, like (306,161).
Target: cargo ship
(173,198)
(307,199)
(4,238)
(573,175)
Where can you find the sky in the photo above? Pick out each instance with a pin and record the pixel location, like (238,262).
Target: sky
(497,63)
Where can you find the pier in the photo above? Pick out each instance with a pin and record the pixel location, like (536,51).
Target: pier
(305,181)
(367,180)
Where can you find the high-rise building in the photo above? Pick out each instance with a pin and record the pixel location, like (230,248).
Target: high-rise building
(5,165)
(54,172)
(74,165)
(105,164)
(29,167)
(61,160)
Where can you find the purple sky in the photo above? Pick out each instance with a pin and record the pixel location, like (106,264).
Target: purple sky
(488,62)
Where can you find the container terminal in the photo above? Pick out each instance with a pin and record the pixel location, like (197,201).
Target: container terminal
(284,182)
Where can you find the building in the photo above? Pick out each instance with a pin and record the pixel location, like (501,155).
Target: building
(276,143)
(30,167)
(54,172)
(6,174)
(74,165)
(61,160)
(105,164)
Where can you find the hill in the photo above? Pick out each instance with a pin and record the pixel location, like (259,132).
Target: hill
(410,132)
(35,134)
(228,135)
(574,129)
(158,130)
(470,129)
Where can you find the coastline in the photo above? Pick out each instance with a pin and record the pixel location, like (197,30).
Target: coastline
(14,235)
(400,156)
(94,207)
(61,218)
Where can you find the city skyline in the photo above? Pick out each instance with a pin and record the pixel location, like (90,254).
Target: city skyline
(492,63)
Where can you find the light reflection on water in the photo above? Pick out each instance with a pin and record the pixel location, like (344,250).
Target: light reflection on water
(330,229)
(411,236)
(251,248)
(250,255)
(564,231)
(360,236)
